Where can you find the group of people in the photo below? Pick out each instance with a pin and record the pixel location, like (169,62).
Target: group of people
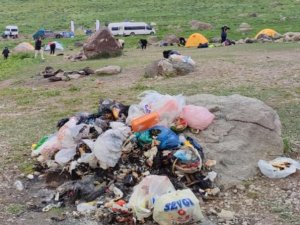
(37,47)
(143,44)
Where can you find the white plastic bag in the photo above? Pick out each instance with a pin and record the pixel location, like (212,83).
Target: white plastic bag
(271,169)
(108,146)
(182,58)
(65,155)
(152,101)
(147,192)
(80,132)
(180,207)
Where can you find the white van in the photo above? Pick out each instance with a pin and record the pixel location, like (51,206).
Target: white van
(11,31)
(130,28)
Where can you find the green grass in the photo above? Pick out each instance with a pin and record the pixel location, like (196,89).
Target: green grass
(15,209)
(170,16)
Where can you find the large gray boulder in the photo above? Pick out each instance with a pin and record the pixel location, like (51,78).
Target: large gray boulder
(102,45)
(244,28)
(291,36)
(168,68)
(244,131)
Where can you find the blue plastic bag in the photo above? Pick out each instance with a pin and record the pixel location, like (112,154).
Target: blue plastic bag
(196,145)
(167,138)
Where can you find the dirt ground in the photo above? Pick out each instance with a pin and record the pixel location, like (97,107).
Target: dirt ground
(268,73)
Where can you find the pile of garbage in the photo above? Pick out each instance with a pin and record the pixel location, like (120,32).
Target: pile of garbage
(124,163)
(60,75)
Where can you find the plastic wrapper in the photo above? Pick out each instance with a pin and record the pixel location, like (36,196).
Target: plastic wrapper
(278,168)
(66,133)
(134,112)
(180,207)
(147,192)
(65,155)
(48,148)
(152,101)
(108,146)
(167,138)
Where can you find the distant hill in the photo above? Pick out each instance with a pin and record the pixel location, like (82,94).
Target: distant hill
(171,16)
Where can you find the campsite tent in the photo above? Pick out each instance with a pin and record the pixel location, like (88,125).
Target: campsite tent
(268,32)
(23,47)
(58,46)
(195,39)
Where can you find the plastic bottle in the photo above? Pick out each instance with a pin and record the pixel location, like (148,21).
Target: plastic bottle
(145,122)
(168,112)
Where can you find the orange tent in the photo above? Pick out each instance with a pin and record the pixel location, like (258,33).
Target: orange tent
(195,39)
(268,32)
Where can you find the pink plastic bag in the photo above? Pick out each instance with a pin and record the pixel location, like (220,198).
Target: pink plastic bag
(197,117)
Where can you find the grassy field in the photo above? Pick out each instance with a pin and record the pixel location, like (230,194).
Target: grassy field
(171,16)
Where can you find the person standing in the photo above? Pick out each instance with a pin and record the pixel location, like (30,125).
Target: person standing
(224,33)
(52,48)
(5,52)
(38,48)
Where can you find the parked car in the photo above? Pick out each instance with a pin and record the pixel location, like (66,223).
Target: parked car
(51,34)
(65,34)
(11,31)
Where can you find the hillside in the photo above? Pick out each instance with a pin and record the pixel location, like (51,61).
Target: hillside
(171,16)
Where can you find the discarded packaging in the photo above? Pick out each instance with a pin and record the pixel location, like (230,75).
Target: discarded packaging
(197,117)
(86,207)
(178,207)
(146,193)
(278,168)
(19,185)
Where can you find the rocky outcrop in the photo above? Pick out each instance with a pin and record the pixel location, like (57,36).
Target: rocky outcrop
(291,36)
(244,131)
(102,45)
(168,68)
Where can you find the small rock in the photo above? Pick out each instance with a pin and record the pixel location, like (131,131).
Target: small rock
(19,185)
(36,173)
(249,202)
(212,211)
(235,191)
(240,187)
(41,177)
(15,167)
(244,223)
(252,187)
(22,175)
(30,176)
(215,191)
(108,70)
(226,215)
